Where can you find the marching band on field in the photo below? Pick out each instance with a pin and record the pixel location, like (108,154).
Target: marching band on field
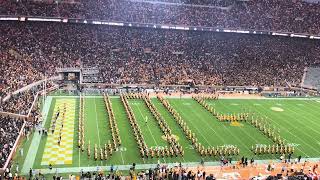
(210,151)
(175,149)
(108,149)
(258,123)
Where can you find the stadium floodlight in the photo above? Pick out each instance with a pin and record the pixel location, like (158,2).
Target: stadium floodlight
(297,35)
(96,22)
(280,34)
(45,20)
(8,19)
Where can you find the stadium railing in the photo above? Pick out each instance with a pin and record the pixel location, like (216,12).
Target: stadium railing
(29,86)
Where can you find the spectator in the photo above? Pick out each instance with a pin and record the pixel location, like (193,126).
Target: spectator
(9,132)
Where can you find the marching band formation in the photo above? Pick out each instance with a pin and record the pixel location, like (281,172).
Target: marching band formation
(164,127)
(175,148)
(113,125)
(54,123)
(257,122)
(220,116)
(81,141)
(210,151)
(109,148)
(274,149)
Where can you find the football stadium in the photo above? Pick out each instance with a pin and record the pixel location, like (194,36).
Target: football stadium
(159,89)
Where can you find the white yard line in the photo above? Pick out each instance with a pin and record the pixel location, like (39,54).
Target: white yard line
(148,127)
(78,124)
(149,130)
(79,156)
(36,138)
(165,118)
(229,131)
(121,157)
(311,129)
(261,114)
(95,109)
(245,131)
(199,131)
(110,107)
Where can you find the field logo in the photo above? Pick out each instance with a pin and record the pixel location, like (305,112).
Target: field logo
(276,109)
(236,124)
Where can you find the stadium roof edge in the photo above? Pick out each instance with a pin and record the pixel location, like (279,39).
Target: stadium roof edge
(158,26)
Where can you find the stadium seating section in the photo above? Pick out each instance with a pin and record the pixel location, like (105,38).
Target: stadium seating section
(127,55)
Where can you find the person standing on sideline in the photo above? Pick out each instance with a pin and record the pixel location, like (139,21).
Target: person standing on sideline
(17,168)
(21,151)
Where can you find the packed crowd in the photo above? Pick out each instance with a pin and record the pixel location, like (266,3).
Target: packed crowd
(9,131)
(142,55)
(16,71)
(217,3)
(289,16)
(19,103)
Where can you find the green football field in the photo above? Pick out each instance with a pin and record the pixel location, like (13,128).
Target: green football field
(298,121)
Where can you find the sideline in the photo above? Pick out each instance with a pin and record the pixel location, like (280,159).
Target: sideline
(31,155)
(148,166)
(189,97)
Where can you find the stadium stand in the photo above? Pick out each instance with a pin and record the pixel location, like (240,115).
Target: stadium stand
(19,103)
(286,16)
(10,128)
(31,50)
(139,55)
(311,78)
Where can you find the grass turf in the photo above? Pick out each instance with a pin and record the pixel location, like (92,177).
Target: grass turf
(298,124)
